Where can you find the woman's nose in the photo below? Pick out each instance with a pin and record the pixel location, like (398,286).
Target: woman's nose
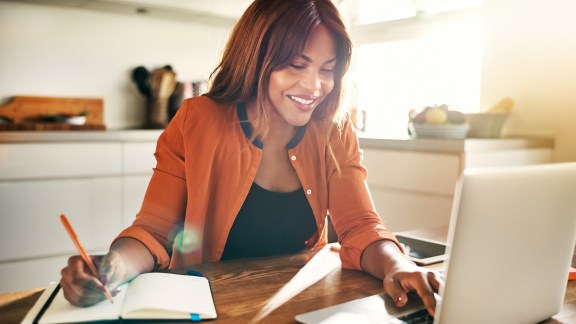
(311,81)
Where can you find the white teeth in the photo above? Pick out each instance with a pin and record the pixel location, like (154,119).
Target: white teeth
(302,101)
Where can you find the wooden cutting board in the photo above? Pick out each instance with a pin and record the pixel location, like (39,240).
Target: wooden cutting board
(23,109)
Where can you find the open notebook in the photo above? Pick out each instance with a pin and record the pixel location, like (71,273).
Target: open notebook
(510,244)
(150,296)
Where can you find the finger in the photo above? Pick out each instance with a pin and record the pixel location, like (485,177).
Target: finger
(76,295)
(82,300)
(425,292)
(434,281)
(393,288)
(105,269)
(115,291)
(80,281)
(74,275)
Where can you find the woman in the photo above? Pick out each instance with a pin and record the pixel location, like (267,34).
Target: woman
(253,167)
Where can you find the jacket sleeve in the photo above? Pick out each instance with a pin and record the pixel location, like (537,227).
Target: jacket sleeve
(349,202)
(163,208)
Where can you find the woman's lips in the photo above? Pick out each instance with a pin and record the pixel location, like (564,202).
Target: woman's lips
(304,103)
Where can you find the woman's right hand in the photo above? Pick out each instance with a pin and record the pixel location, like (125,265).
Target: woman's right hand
(81,288)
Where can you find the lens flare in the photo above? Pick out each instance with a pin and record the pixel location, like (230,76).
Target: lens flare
(187,240)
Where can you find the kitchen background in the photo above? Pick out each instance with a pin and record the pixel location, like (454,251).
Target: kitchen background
(528,51)
(489,50)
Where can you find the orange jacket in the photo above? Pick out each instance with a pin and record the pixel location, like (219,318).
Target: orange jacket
(205,167)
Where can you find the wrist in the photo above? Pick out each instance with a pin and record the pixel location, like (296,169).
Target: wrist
(132,256)
(381,257)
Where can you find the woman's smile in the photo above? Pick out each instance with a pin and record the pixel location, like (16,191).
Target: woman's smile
(303,102)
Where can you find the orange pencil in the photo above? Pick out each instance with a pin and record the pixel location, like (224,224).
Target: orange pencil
(83,254)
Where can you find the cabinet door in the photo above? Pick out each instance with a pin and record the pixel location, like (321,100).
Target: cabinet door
(30,274)
(139,161)
(138,157)
(435,173)
(134,190)
(508,157)
(412,189)
(55,160)
(29,214)
(402,210)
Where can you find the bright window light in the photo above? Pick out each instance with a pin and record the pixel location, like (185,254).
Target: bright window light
(371,11)
(421,65)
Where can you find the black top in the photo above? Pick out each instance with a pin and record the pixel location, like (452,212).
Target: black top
(270,223)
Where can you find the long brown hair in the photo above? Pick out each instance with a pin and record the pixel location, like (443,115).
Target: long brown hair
(267,37)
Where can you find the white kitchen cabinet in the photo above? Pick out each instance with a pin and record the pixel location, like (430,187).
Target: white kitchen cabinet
(32,273)
(412,189)
(97,180)
(30,215)
(138,157)
(134,188)
(55,160)
(138,163)
(412,182)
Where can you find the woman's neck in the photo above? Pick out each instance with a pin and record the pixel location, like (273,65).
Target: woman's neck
(279,131)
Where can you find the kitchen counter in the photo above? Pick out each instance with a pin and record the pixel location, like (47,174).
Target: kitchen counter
(455,145)
(401,144)
(135,135)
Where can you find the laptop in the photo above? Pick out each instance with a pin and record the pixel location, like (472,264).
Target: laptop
(510,244)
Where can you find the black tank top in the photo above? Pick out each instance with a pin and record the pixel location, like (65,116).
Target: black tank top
(270,223)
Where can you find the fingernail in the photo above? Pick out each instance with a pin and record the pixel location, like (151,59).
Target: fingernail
(115,290)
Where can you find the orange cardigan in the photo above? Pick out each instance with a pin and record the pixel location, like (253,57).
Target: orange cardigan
(205,167)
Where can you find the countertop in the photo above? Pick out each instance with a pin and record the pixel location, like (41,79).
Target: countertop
(402,144)
(455,145)
(133,135)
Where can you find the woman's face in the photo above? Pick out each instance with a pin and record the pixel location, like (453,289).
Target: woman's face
(296,90)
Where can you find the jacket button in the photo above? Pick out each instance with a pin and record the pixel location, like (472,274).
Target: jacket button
(293,157)
(308,191)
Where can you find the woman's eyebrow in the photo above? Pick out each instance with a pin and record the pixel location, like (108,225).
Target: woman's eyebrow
(308,59)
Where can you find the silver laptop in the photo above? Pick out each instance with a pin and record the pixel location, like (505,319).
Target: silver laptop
(510,244)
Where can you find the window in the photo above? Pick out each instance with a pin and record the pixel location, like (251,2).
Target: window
(414,59)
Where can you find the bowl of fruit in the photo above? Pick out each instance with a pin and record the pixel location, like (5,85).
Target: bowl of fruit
(438,122)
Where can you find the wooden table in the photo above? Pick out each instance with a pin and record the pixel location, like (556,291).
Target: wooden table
(246,289)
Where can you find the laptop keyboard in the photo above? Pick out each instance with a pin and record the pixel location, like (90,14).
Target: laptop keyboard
(419,317)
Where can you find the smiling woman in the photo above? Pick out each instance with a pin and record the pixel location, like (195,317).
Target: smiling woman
(253,167)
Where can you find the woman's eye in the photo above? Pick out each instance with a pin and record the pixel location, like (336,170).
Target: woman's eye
(297,66)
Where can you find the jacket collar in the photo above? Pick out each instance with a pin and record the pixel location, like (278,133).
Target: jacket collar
(247,129)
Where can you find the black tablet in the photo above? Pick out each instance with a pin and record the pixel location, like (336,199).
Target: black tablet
(423,251)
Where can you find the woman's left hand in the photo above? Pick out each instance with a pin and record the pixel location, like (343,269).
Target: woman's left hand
(404,277)
(383,259)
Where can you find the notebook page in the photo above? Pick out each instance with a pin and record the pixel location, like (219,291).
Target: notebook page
(168,296)
(61,311)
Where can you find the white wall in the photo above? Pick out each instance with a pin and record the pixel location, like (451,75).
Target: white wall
(530,56)
(53,51)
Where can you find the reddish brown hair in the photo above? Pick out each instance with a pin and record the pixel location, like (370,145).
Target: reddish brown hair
(267,38)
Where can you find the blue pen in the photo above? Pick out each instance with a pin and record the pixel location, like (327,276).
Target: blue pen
(192,272)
